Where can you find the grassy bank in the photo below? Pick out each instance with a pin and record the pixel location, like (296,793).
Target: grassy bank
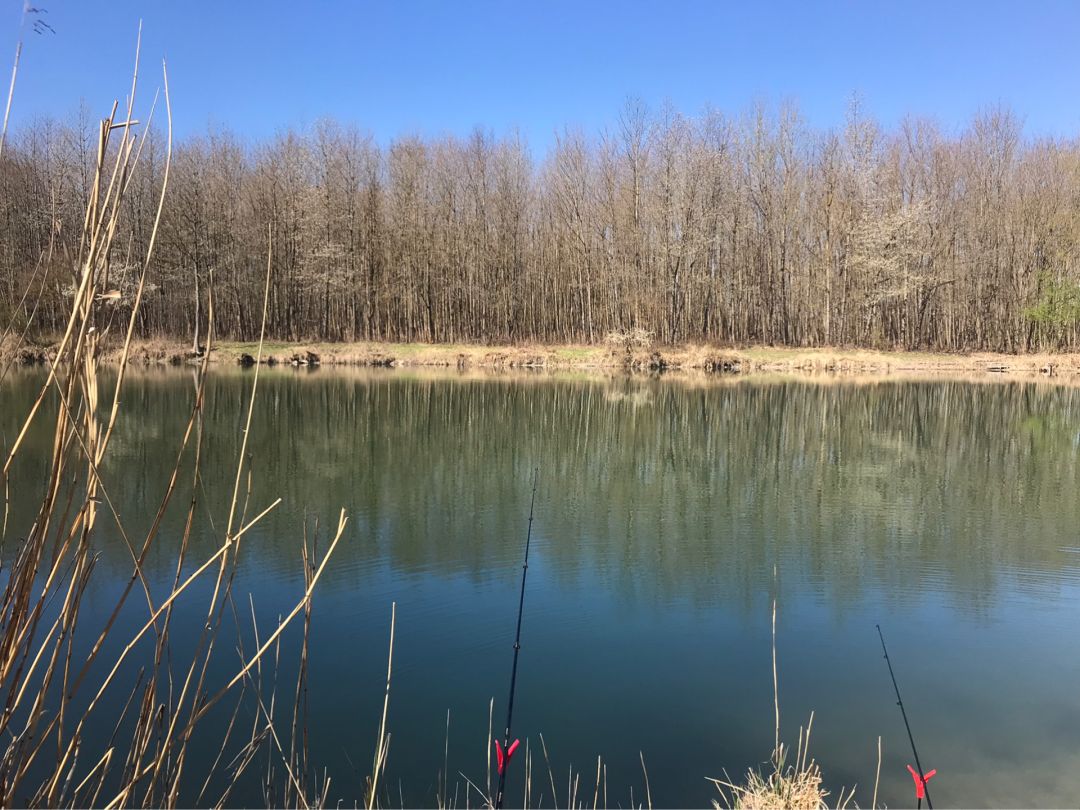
(685,358)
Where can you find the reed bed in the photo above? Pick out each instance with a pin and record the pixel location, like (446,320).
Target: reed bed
(55,694)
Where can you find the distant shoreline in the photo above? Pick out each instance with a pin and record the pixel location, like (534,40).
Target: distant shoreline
(686,358)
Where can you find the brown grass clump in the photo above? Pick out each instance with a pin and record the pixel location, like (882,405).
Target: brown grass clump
(784,787)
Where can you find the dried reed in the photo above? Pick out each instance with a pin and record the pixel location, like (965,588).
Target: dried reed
(54,753)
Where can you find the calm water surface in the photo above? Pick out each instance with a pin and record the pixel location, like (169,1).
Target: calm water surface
(946,511)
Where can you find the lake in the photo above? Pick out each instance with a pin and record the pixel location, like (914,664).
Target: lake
(670,513)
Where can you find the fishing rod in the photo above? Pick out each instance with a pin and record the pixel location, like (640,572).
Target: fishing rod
(921,787)
(507,750)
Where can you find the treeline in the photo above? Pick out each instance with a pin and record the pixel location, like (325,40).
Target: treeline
(747,229)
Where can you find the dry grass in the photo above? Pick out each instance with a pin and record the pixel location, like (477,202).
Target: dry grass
(53,697)
(798,786)
(820,363)
(795,787)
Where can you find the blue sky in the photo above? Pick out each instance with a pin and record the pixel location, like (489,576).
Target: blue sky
(446,67)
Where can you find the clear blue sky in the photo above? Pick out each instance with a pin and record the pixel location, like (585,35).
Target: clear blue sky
(409,67)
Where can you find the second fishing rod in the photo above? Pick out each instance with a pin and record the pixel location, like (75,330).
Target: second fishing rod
(923,776)
(508,748)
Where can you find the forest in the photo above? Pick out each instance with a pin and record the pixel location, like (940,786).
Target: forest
(730,229)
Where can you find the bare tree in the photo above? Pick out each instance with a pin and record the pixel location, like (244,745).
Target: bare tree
(710,228)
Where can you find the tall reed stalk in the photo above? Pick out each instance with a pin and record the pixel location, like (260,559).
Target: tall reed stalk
(54,694)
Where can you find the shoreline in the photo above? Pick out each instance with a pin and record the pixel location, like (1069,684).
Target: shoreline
(689,358)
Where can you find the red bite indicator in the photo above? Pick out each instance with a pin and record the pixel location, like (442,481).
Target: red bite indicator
(920,782)
(504,758)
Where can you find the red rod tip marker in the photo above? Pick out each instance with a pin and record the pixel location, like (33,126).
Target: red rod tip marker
(920,782)
(504,758)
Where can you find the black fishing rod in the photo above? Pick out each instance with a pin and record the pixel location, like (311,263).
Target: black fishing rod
(508,748)
(923,776)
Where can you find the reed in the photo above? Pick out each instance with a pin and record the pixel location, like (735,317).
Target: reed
(54,698)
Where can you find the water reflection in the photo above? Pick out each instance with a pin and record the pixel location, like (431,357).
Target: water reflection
(946,510)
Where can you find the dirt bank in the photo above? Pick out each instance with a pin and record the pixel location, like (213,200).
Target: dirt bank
(747,360)
(696,358)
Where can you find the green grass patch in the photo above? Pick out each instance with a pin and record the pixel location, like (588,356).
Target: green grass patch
(269,347)
(576,352)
